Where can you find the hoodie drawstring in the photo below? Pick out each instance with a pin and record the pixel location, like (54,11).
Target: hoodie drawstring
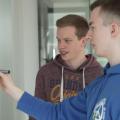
(61,86)
(83,78)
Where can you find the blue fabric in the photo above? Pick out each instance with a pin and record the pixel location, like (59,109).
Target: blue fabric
(98,101)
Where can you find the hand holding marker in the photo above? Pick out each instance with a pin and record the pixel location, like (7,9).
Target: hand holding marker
(5,71)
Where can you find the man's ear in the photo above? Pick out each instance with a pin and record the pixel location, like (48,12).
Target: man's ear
(115,29)
(83,41)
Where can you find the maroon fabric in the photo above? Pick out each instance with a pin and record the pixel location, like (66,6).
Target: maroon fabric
(49,78)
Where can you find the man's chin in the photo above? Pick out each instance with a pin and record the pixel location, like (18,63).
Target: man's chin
(64,58)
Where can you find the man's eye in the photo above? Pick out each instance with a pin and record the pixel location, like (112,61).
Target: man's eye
(67,41)
(59,41)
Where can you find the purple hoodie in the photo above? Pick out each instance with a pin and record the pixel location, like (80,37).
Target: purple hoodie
(56,81)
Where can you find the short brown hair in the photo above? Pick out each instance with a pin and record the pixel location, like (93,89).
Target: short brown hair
(109,8)
(76,21)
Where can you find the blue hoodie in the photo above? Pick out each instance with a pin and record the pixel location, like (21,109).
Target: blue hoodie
(98,101)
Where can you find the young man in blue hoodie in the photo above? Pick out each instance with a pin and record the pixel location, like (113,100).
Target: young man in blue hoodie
(100,99)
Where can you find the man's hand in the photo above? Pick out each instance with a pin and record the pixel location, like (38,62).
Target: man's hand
(9,87)
(5,81)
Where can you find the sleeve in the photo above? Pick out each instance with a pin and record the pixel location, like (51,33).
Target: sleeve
(70,109)
(39,87)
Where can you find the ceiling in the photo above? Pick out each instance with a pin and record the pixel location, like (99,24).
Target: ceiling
(67,3)
(56,1)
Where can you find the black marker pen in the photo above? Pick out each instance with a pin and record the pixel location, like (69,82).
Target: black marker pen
(5,71)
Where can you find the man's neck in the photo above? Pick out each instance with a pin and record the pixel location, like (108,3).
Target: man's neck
(77,62)
(114,60)
(113,56)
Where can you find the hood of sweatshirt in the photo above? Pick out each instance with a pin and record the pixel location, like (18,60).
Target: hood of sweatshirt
(108,70)
(104,91)
(90,62)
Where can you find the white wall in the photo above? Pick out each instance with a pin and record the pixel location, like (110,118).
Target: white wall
(5,57)
(18,49)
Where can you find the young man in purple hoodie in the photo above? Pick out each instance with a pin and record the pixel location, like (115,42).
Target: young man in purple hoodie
(71,70)
(100,100)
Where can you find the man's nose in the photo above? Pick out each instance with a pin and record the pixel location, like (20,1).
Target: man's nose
(61,45)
